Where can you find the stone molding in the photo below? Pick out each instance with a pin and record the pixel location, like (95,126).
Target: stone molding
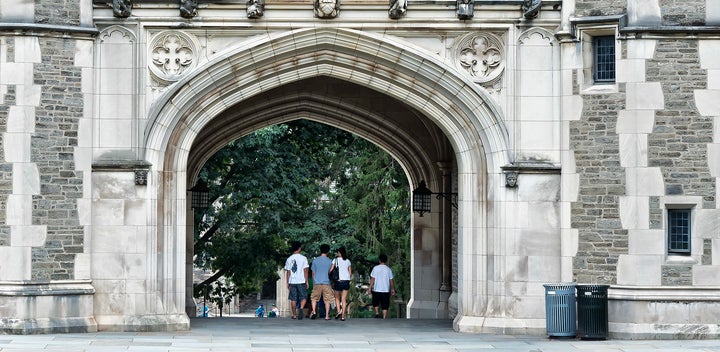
(138,167)
(121,165)
(77,32)
(46,288)
(512,171)
(664,293)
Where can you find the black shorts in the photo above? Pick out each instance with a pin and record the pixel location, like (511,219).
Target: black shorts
(342,285)
(381,299)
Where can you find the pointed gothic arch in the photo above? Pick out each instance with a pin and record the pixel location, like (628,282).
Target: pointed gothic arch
(465,114)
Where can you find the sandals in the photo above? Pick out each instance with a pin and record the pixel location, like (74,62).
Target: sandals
(338,315)
(313,315)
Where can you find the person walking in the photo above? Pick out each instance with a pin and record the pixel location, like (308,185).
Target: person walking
(321,282)
(296,274)
(342,286)
(382,286)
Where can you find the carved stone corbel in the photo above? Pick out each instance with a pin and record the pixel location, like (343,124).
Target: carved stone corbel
(141,177)
(397,9)
(511,178)
(122,8)
(188,8)
(326,8)
(531,8)
(255,8)
(465,9)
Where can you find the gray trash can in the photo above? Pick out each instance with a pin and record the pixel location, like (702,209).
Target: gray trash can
(592,311)
(560,310)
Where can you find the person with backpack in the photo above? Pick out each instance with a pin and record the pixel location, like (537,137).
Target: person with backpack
(342,286)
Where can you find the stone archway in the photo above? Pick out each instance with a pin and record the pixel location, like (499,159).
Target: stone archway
(463,113)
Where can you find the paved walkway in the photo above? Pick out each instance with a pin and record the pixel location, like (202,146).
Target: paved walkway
(353,335)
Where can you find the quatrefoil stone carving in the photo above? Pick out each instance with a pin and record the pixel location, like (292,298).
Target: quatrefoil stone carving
(172,54)
(481,55)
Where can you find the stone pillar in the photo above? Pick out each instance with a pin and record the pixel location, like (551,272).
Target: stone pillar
(281,294)
(45,282)
(426,258)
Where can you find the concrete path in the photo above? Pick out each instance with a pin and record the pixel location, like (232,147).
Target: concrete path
(353,335)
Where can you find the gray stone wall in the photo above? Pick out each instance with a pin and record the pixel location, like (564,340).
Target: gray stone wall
(677,275)
(62,12)
(585,8)
(5,168)
(52,145)
(678,144)
(602,180)
(683,12)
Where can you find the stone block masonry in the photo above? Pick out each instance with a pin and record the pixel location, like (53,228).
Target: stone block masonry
(585,8)
(56,133)
(596,214)
(7,99)
(60,12)
(678,144)
(683,12)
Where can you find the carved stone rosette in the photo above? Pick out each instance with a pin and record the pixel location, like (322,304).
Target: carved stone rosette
(481,56)
(172,53)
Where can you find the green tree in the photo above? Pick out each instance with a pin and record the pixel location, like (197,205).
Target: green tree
(302,181)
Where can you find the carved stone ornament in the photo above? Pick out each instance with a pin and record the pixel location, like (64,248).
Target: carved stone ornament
(188,8)
(482,56)
(172,54)
(397,9)
(465,9)
(141,177)
(255,8)
(511,178)
(531,8)
(122,8)
(326,8)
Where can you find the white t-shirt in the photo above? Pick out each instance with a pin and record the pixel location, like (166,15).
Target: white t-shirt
(343,268)
(382,274)
(295,265)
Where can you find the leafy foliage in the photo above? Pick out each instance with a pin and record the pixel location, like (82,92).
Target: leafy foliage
(308,182)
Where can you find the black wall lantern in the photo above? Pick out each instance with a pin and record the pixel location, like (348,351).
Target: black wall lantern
(422,201)
(200,195)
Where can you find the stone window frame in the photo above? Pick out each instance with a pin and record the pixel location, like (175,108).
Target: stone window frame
(672,236)
(586,32)
(682,202)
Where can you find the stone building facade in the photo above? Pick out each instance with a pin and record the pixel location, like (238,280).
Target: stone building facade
(582,139)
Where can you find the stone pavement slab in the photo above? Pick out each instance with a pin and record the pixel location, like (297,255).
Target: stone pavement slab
(352,335)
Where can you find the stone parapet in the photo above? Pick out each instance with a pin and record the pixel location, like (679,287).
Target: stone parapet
(28,307)
(645,312)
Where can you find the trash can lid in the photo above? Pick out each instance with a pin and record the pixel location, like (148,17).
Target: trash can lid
(560,286)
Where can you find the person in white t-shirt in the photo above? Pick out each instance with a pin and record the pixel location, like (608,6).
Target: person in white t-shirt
(296,273)
(342,286)
(382,286)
